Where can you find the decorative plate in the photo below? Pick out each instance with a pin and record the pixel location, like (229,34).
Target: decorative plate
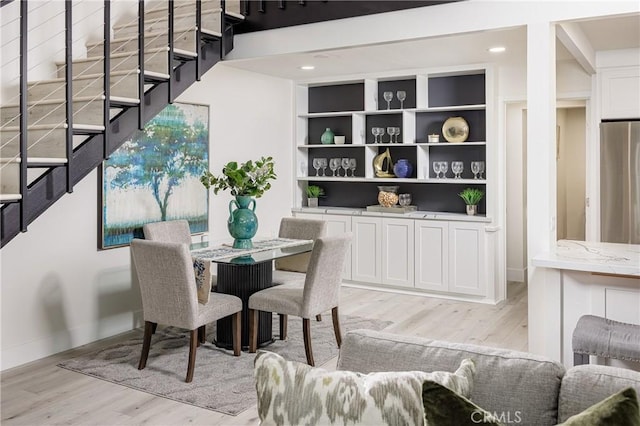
(455,129)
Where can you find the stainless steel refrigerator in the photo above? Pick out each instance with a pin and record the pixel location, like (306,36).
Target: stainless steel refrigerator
(620,182)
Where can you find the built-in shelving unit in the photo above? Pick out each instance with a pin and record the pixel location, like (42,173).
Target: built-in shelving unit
(353,108)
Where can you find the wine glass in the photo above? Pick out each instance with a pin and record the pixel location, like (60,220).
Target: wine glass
(481,169)
(390,132)
(334,164)
(316,165)
(374,132)
(444,167)
(323,165)
(475,168)
(404,200)
(436,168)
(388,96)
(352,166)
(381,133)
(401,95)
(345,165)
(457,167)
(396,132)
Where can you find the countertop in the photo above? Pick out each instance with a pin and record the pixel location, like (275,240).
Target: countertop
(607,258)
(462,217)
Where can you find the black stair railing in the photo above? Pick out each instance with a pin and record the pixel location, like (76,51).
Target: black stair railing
(51,185)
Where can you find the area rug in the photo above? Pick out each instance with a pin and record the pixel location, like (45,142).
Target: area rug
(221,382)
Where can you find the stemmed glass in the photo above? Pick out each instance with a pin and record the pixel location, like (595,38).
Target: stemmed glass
(323,164)
(481,169)
(388,96)
(396,133)
(475,168)
(457,167)
(444,167)
(345,165)
(390,132)
(316,165)
(352,166)
(334,164)
(402,95)
(381,133)
(436,168)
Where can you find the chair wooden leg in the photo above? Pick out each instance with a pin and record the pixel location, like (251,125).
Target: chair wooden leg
(253,330)
(306,331)
(236,331)
(283,326)
(202,334)
(336,325)
(146,344)
(193,346)
(155,327)
(319,317)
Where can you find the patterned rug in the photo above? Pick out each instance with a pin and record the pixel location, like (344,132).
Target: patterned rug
(221,382)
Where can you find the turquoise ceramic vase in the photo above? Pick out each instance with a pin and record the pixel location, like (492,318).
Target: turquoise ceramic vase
(327,137)
(243,222)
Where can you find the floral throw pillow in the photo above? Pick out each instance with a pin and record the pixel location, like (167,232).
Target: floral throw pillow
(292,393)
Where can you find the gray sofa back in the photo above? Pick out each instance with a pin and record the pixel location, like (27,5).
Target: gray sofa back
(518,387)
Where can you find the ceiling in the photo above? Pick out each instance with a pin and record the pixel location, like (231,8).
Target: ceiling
(603,34)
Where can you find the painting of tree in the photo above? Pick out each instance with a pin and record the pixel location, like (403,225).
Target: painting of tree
(154,176)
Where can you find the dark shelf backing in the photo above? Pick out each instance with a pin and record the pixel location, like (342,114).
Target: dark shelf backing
(428,123)
(340,126)
(457,90)
(408,85)
(467,155)
(383,120)
(340,97)
(329,153)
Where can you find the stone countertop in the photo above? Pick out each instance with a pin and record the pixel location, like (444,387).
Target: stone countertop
(607,258)
(462,217)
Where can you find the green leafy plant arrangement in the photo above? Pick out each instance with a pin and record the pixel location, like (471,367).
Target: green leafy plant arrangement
(471,196)
(249,179)
(314,191)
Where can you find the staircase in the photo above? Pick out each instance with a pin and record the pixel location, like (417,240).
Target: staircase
(60,129)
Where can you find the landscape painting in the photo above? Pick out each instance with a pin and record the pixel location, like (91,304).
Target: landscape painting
(155,176)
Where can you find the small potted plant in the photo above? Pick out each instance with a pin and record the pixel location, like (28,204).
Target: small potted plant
(313,192)
(471,197)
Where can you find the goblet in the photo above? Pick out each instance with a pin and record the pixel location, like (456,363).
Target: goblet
(401,95)
(404,200)
(396,133)
(323,165)
(388,96)
(390,132)
(316,165)
(444,167)
(334,164)
(436,168)
(481,169)
(374,132)
(457,167)
(345,165)
(352,166)
(381,133)
(475,168)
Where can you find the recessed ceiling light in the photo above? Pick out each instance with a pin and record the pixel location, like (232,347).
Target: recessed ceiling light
(497,49)
(307,67)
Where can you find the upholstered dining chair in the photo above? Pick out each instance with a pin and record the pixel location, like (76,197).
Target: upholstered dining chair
(320,293)
(293,268)
(168,288)
(172,231)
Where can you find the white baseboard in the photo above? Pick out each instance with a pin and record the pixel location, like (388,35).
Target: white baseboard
(515,274)
(63,340)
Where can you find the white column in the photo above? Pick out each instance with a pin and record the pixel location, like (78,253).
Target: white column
(543,288)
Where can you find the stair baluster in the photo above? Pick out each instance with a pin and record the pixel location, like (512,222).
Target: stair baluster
(170,61)
(107,79)
(68,46)
(141,120)
(24,8)
(198,38)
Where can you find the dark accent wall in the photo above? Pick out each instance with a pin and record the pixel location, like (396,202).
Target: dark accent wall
(266,15)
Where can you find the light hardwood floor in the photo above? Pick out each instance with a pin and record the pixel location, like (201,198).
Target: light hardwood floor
(40,393)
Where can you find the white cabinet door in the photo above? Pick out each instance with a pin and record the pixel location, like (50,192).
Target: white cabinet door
(397,252)
(467,258)
(337,225)
(366,249)
(620,90)
(431,255)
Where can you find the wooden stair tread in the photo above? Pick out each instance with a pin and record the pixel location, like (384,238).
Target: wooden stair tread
(134,23)
(124,101)
(186,53)
(211,33)
(34,160)
(78,77)
(48,101)
(116,55)
(156,75)
(7,198)
(147,35)
(234,15)
(34,127)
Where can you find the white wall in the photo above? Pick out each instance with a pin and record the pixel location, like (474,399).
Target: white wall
(59,291)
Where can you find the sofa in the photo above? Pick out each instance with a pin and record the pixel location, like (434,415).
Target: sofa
(516,387)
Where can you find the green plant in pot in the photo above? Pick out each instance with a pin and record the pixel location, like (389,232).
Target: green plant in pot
(471,197)
(313,192)
(245,181)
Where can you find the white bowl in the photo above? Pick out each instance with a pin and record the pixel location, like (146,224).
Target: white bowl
(338,140)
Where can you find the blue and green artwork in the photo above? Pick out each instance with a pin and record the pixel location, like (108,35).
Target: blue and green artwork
(155,176)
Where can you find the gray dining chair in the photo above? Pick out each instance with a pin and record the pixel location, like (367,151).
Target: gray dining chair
(172,231)
(168,290)
(320,293)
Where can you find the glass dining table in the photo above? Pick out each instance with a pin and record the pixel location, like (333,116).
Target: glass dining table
(242,272)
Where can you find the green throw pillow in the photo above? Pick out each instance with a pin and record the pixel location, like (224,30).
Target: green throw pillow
(620,409)
(291,393)
(443,407)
